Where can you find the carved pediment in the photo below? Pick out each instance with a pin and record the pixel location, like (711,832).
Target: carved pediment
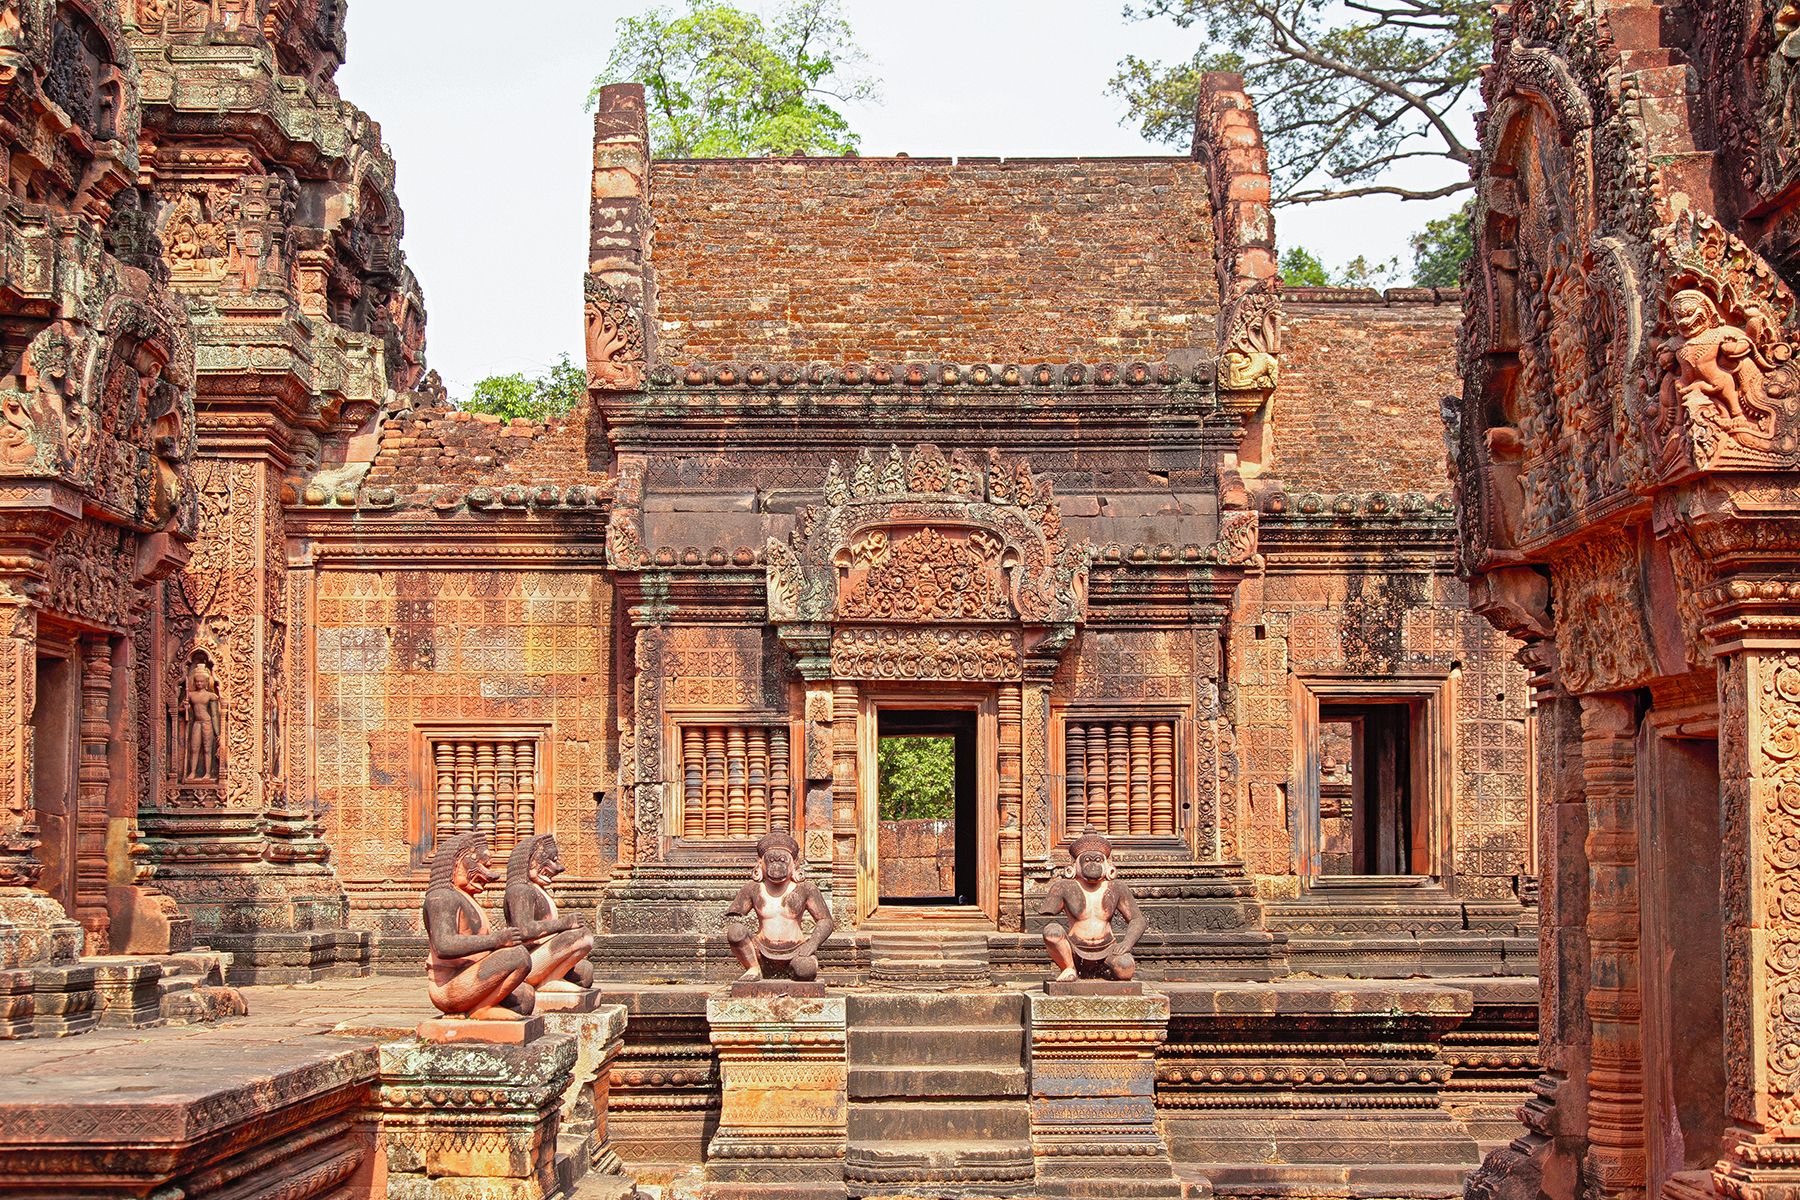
(1722,381)
(929,538)
(925,576)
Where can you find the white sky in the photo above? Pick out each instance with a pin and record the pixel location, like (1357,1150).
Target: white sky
(483,107)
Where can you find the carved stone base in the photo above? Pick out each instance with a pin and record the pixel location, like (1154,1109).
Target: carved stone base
(599,1034)
(303,956)
(18,1003)
(1093,1095)
(35,931)
(467,1121)
(442,1031)
(65,1000)
(128,992)
(1315,1088)
(663,1102)
(1093,987)
(584,1001)
(784,1111)
(146,921)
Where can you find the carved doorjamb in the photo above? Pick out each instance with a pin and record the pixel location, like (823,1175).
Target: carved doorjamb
(995,895)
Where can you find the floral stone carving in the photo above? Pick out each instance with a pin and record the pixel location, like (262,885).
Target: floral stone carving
(929,537)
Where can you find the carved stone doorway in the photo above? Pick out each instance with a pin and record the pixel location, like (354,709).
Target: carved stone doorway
(54,724)
(927,845)
(969,719)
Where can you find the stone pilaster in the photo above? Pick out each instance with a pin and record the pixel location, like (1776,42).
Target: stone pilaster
(845,703)
(784,1110)
(1759,786)
(1093,1095)
(599,1037)
(1616,1159)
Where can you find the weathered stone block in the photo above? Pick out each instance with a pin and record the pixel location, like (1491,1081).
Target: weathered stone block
(784,1107)
(464,1121)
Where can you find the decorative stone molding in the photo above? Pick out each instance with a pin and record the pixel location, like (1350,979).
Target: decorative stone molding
(931,538)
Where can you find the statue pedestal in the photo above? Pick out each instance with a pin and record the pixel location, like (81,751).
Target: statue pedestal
(1093,1093)
(784,1111)
(444,1030)
(599,1033)
(468,1120)
(584,1001)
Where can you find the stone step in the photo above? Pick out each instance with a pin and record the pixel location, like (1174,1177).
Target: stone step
(940,1167)
(868,1010)
(885,1122)
(966,1082)
(935,1046)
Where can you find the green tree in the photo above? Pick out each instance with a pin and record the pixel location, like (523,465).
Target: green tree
(1300,267)
(539,397)
(916,777)
(1346,91)
(721,83)
(1441,248)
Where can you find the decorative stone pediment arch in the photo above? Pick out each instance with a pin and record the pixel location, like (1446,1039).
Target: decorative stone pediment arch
(1550,426)
(927,538)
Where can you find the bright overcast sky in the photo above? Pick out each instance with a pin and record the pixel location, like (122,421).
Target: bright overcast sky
(483,107)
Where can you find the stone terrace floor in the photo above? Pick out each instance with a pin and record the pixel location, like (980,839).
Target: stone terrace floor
(170,1065)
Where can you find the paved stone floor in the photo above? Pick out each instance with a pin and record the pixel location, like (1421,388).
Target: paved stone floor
(288,1029)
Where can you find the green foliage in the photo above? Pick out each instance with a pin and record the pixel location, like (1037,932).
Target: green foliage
(917,778)
(719,83)
(539,397)
(1441,248)
(1300,267)
(1345,91)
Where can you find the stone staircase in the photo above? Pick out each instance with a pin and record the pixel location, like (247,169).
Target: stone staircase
(929,949)
(939,1096)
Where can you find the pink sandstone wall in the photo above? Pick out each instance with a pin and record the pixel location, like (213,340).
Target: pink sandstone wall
(396,648)
(978,260)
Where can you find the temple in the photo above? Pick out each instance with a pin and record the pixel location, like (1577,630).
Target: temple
(1276,641)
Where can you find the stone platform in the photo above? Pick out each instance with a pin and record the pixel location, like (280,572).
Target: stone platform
(307,1096)
(1316,1088)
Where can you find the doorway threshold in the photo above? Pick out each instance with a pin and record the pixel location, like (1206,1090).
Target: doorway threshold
(923,915)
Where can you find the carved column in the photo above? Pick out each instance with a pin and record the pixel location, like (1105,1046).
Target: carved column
(647,710)
(1616,1152)
(93,783)
(19,864)
(844,730)
(1035,734)
(1011,891)
(1759,785)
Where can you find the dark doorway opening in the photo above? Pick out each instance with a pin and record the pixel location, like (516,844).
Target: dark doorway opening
(926,850)
(1374,817)
(53,726)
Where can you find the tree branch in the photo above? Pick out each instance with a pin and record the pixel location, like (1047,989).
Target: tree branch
(1290,39)
(1317,195)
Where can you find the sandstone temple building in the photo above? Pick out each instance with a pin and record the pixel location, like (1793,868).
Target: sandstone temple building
(1342,617)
